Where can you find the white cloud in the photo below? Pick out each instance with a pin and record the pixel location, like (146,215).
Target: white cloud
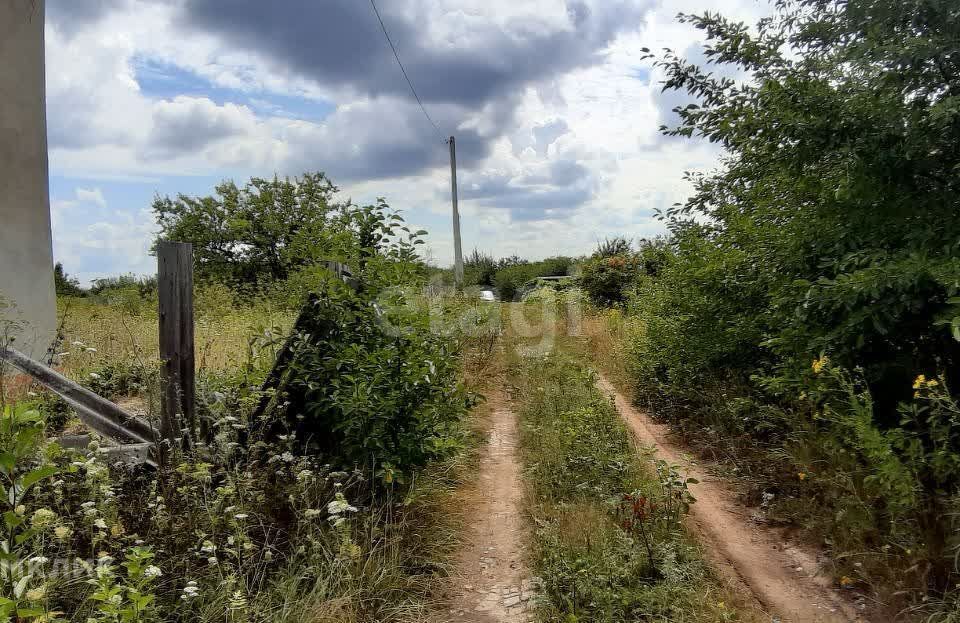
(91,195)
(601,119)
(93,241)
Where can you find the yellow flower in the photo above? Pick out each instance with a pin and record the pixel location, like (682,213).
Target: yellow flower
(920,381)
(62,532)
(818,364)
(802,475)
(932,383)
(846,581)
(721,605)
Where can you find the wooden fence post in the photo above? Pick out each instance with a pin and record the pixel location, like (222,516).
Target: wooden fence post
(175,290)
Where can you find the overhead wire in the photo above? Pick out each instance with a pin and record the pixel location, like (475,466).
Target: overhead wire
(404,71)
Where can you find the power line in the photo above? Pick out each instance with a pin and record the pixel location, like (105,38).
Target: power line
(397,56)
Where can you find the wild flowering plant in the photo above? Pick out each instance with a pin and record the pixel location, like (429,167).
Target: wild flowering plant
(645,514)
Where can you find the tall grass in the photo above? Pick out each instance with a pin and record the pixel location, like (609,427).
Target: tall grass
(599,562)
(279,554)
(124,326)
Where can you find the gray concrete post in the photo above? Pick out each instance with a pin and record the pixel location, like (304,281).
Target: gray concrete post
(27,300)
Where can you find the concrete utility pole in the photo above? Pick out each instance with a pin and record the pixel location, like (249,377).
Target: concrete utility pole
(28,309)
(457,251)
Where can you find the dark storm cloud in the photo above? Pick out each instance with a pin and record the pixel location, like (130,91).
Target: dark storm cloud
(485,67)
(471,70)
(338,42)
(378,139)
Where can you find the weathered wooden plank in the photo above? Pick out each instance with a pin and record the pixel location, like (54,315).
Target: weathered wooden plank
(95,411)
(175,290)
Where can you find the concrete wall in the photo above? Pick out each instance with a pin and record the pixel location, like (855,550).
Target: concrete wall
(26,256)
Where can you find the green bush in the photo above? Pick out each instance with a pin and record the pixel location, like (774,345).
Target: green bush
(896,485)
(479,269)
(829,229)
(368,388)
(609,275)
(606,279)
(510,279)
(826,227)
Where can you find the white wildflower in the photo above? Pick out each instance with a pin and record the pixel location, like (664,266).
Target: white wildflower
(340,505)
(152,571)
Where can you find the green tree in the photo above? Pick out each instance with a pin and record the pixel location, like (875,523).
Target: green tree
(830,229)
(262,231)
(833,224)
(64,284)
(479,269)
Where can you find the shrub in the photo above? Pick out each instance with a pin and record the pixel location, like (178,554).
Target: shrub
(64,284)
(479,269)
(905,477)
(510,279)
(828,229)
(606,279)
(614,269)
(363,388)
(612,247)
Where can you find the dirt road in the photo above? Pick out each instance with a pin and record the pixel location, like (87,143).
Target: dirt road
(492,583)
(783,578)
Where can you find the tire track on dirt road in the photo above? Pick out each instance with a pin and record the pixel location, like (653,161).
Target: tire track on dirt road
(493,583)
(786,580)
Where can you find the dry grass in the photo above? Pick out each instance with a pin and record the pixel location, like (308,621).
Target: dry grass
(607,335)
(97,332)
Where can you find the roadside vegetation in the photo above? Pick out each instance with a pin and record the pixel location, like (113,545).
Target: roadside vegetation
(332,503)
(802,313)
(798,324)
(511,277)
(608,536)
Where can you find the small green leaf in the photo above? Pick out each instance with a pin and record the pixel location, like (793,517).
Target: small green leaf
(35,476)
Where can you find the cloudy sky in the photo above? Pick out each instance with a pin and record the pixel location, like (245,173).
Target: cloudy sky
(554,111)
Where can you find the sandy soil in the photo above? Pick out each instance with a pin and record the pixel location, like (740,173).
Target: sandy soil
(783,578)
